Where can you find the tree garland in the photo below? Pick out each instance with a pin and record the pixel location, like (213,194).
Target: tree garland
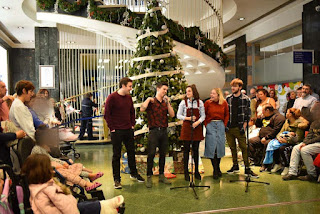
(176,31)
(45,4)
(71,7)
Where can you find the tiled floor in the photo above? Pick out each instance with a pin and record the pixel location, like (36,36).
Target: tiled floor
(221,195)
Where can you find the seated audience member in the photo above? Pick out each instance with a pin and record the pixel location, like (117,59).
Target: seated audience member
(270,126)
(72,172)
(306,100)
(253,130)
(4,99)
(36,121)
(4,149)
(305,150)
(295,126)
(253,101)
(47,195)
(291,98)
(273,95)
(263,99)
(19,113)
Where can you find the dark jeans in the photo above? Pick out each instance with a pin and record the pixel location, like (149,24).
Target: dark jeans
(195,155)
(257,150)
(117,137)
(283,155)
(89,207)
(157,138)
(86,124)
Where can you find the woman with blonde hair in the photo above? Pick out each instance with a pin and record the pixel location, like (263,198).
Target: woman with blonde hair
(217,116)
(191,111)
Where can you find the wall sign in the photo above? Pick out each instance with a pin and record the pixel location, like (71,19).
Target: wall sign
(303,56)
(46,76)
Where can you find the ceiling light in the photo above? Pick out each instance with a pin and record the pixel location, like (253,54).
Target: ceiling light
(20,27)
(31,41)
(241,19)
(70,42)
(6,7)
(106,60)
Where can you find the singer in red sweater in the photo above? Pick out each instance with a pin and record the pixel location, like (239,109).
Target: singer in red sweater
(120,116)
(217,116)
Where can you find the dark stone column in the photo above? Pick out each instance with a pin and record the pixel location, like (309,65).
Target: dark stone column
(47,53)
(21,67)
(241,60)
(311,41)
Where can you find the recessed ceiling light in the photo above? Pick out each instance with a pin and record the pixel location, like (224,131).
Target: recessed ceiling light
(70,42)
(241,19)
(6,7)
(31,41)
(20,27)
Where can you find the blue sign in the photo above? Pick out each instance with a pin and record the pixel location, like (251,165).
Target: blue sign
(303,57)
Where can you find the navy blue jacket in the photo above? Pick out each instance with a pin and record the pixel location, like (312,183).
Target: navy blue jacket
(86,107)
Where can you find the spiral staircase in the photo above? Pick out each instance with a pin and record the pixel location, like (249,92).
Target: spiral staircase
(199,68)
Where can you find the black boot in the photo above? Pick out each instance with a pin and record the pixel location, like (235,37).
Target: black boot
(215,169)
(196,167)
(185,169)
(219,171)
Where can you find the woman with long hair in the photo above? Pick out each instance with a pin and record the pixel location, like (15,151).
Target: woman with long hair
(191,111)
(217,116)
(263,99)
(272,94)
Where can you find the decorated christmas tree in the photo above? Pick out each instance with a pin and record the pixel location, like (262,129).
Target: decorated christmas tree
(155,61)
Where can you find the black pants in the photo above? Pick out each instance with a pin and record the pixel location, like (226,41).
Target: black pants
(86,124)
(283,155)
(195,155)
(157,138)
(117,137)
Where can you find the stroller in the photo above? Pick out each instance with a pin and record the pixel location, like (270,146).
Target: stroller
(14,198)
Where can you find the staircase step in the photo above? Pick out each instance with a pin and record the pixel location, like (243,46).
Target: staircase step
(93,141)
(112,6)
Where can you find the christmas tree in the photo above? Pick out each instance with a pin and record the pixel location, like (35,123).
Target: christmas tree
(155,61)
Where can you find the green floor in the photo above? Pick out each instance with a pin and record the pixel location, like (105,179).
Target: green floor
(221,195)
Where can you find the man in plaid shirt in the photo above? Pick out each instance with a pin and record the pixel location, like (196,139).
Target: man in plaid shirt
(157,109)
(239,109)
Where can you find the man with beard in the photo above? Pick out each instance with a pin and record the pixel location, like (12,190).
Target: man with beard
(239,109)
(306,100)
(120,116)
(157,109)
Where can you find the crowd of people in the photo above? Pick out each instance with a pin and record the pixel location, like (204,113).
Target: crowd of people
(33,116)
(275,142)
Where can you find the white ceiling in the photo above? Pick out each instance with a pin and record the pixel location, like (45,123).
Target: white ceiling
(250,10)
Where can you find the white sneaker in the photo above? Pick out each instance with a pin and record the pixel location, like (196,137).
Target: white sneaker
(276,168)
(285,171)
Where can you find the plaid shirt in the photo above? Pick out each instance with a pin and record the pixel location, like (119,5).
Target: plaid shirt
(244,111)
(157,114)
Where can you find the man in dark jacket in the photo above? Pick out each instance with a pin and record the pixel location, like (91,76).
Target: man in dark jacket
(270,125)
(86,111)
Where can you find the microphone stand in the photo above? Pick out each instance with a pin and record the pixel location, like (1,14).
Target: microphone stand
(248,176)
(191,184)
